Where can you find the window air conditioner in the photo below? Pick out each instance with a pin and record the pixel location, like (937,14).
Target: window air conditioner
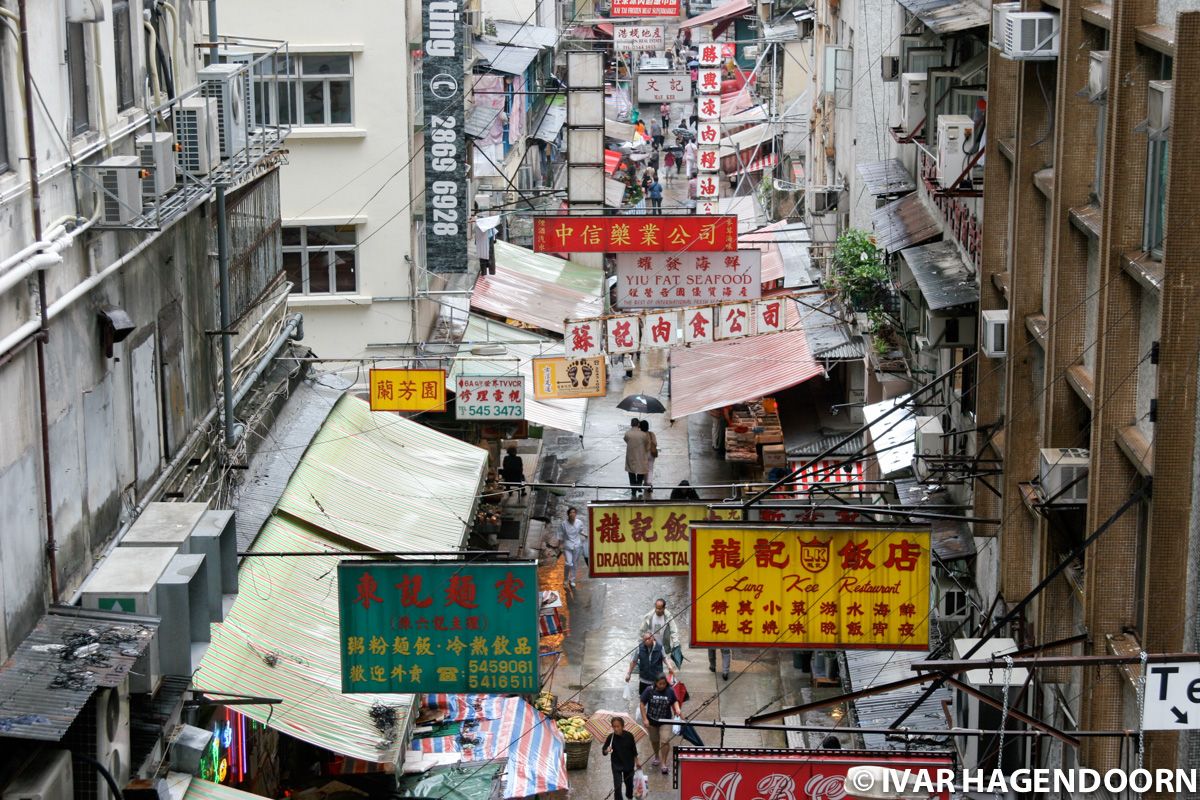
(156,152)
(1030,36)
(820,201)
(121,199)
(953,131)
(969,712)
(196,135)
(85,10)
(999,12)
(1097,85)
(889,68)
(47,776)
(113,736)
(750,51)
(930,440)
(1158,110)
(914,87)
(228,84)
(949,331)
(995,333)
(1062,467)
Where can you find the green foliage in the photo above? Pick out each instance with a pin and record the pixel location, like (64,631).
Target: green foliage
(859,274)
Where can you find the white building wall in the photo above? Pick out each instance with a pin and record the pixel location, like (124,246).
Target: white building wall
(875,25)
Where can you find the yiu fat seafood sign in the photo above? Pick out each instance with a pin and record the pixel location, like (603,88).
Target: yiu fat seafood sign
(662,280)
(445,139)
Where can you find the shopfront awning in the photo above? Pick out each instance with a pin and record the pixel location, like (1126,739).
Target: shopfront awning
(505,57)
(546,267)
(886,177)
(522,34)
(721,13)
(480,120)
(748,139)
(941,275)
(759,164)
(612,160)
(892,437)
(746,116)
(715,375)
(182,786)
(544,305)
(764,239)
(551,123)
(903,223)
(949,16)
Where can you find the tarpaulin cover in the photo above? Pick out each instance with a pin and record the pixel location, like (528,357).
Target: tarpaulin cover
(719,14)
(534,302)
(470,782)
(893,437)
(548,268)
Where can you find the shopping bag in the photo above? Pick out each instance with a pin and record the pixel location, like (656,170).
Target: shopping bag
(637,714)
(627,695)
(675,731)
(641,784)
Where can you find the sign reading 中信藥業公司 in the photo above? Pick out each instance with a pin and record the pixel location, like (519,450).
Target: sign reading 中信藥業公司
(445,626)
(489,397)
(445,138)
(666,280)
(810,774)
(646,37)
(644,8)
(408,389)
(816,588)
(670,87)
(632,539)
(559,378)
(648,234)
(1172,697)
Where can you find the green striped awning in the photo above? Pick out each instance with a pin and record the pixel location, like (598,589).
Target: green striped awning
(206,790)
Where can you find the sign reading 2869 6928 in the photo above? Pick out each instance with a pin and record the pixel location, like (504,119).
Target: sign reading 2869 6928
(445,140)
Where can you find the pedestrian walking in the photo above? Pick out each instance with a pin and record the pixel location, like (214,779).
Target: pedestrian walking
(645,424)
(574,545)
(684,491)
(660,624)
(651,662)
(726,658)
(623,747)
(670,166)
(664,111)
(659,707)
(656,133)
(637,456)
(639,129)
(512,470)
(689,156)
(656,197)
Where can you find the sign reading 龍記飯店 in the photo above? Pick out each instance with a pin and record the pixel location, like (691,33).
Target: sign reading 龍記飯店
(558,378)
(445,138)
(822,588)
(408,389)
(648,234)
(644,8)
(632,539)
(663,88)
(664,280)
(485,397)
(445,626)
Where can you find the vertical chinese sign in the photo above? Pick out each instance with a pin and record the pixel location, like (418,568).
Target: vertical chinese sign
(445,139)
(633,539)
(771,586)
(438,627)
(408,389)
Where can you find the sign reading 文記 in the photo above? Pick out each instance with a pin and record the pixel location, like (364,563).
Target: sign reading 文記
(408,389)
(558,378)
(658,280)
(445,626)
(663,88)
(648,234)
(633,539)
(486,397)
(824,588)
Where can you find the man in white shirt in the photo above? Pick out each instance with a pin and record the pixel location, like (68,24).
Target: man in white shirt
(661,623)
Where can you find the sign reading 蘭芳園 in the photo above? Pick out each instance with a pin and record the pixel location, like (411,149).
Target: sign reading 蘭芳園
(558,378)
(634,539)
(445,138)
(824,588)
(644,8)
(654,280)
(487,397)
(647,234)
(408,389)
(444,626)
(663,88)
(645,37)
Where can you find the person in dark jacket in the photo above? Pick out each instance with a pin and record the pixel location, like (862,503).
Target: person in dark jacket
(623,747)
(512,469)
(651,661)
(684,491)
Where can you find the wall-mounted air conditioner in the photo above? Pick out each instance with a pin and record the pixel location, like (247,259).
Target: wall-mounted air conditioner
(121,200)
(1062,473)
(183,609)
(1097,85)
(196,133)
(949,331)
(1159,95)
(215,536)
(1030,36)
(914,87)
(969,712)
(953,131)
(244,58)
(889,68)
(750,51)
(85,10)
(930,439)
(995,333)
(113,746)
(228,84)
(999,12)
(820,201)
(46,776)
(156,151)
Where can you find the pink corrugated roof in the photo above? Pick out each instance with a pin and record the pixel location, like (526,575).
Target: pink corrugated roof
(772,256)
(722,12)
(544,305)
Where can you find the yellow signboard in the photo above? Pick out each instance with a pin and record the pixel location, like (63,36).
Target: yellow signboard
(633,539)
(819,588)
(566,378)
(408,390)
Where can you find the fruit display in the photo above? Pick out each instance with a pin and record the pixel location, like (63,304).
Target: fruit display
(573,730)
(544,702)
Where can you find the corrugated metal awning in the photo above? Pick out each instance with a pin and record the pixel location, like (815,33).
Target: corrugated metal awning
(809,444)
(748,139)
(505,58)
(867,668)
(551,123)
(545,267)
(944,280)
(512,295)
(722,373)
(828,337)
(892,437)
(524,35)
(721,13)
(903,223)
(480,120)
(44,684)
(948,16)
(886,177)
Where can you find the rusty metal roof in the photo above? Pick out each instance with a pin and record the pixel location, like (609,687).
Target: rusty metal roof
(942,276)
(948,16)
(69,655)
(903,223)
(886,177)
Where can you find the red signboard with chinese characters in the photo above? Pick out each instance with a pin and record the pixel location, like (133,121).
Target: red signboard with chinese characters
(644,8)
(726,774)
(649,234)
(664,280)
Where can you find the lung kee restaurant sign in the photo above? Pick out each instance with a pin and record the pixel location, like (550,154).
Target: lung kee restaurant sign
(668,280)
(821,588)
(647,234)
(445,139)
(631,539)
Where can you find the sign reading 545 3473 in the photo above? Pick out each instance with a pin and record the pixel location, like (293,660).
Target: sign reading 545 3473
(445,140)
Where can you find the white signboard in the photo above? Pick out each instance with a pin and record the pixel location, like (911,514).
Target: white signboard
(708,133)
(708,80)
(734,321)
(708,159)
(698,324)
(663,88)
(1172,701)
(623,335)
(708,207)
(770,316)
(710,54)
(583,339)
(638,37)
(489,397)
(707,187)
(708,107)
(661,329)
(669,280)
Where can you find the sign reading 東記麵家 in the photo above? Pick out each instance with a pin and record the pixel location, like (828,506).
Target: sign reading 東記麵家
(644,8)
(558,378)
(408,389)
(663,87)
(444,626)
(632,539)
(487,397)
(820,588)
(663,280)
(646,37)
(649,234)
(445,139)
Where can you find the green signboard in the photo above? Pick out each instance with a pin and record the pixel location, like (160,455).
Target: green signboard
(446,626)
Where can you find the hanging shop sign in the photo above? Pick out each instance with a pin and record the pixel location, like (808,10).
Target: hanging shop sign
(660,329)
(708,187)
(708,133)
(644,8)
(408,389)
(699,325)
(583,339)
(624,335)
(646,37)
(657,280)
(445,138)
(815,774)
(708,159)
(653,329)
(734,321)
(438,627)
(558,378)
(637,539)
(648,234)
(709,54)
(489,397)
(707,207)
(708,80)
(708,107)
(771,586)
(659,88)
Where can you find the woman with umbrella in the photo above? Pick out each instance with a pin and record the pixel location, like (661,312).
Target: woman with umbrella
(645,426)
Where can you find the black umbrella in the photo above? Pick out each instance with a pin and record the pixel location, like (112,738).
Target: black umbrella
(642,404)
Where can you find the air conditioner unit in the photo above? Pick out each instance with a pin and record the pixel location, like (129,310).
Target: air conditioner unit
(182,526)
(156,152)
(113,736)
(1063,467)
(995,333)
(85,10)
(950,331)
(47,776)
(121,199)
(889,68)
(930,438)
(183,609)
(216,537)
(969,712)
(999,12)
(914,88)
(1097,85)
(1030,36)
(250,80)
(820,201)
(953,131)
(229,85)
(1159,95)
(196,135)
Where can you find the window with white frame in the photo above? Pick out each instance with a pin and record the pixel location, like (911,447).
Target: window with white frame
(77,78)
(1159,154)
(123,51)
(321,259)
(311,89)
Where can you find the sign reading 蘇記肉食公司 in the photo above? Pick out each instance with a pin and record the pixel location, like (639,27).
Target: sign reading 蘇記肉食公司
(445,626)
(487,397)
(445,137)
